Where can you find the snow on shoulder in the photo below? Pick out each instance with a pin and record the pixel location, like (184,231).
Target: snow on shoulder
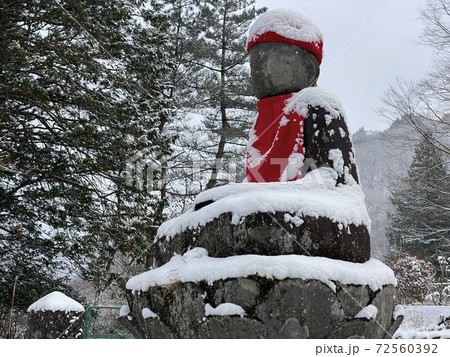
(315,97)
(195,266)
(316,195)
(287,23)
(56,301)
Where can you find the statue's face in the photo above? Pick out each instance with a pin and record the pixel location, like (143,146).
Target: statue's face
(281,68)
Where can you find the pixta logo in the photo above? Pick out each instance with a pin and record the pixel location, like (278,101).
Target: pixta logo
(146,170)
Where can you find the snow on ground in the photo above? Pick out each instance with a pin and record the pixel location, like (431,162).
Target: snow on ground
(225,309)
(315,195)
(196,266)
(56,301)
(422,322)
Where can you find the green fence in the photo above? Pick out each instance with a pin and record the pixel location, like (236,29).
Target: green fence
(102,322)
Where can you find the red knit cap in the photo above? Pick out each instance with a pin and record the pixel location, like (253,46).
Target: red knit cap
(289,27)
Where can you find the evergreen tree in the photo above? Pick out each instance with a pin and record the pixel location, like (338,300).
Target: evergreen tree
(212,91)
(221,88)
(83,87)
(420,225)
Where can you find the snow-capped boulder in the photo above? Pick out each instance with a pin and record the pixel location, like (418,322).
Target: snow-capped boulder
(253,296)
(311,216)
(55,316)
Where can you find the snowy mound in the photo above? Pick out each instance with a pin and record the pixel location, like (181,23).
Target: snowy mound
(56,301)
(287,23)
(196,265)
(316,195)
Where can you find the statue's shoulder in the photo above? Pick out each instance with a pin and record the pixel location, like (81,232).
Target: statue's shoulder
(315,97)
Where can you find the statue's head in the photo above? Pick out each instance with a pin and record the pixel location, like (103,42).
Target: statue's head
(285,51)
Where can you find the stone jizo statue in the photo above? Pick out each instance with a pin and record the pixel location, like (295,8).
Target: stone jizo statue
(299,127)
(274,260)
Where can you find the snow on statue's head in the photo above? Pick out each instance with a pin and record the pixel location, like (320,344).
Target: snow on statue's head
(285,51)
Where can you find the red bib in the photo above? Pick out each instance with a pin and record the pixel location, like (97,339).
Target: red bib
(275,151)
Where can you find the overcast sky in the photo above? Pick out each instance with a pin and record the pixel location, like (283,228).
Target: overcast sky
(367,45)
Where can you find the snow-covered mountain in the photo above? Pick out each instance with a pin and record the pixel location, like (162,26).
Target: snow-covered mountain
(382,158)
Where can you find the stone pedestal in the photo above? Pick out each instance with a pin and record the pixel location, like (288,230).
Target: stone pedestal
(277,233)
(55,316)
(313,216)
(278,260)
(55,324)
(255,296)
(289,308)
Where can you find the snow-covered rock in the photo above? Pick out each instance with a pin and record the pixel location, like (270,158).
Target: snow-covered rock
(55,316)
(316,195)
(399,311)
(253,218)
(250,296)
(196,266)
